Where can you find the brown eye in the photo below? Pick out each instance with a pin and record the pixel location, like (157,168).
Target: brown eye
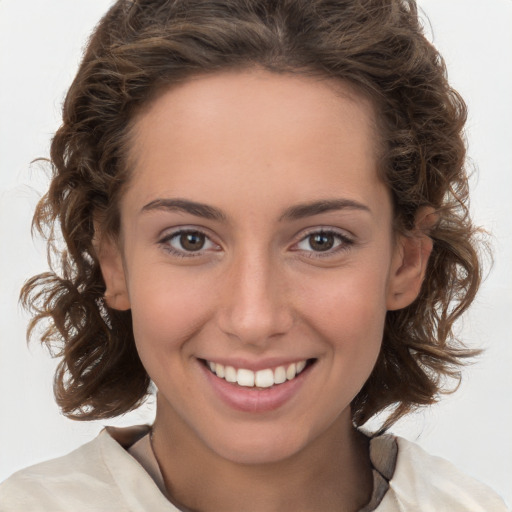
(192,241)
(322,241)
(188,243)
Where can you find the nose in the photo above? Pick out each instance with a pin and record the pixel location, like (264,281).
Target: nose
(256,307)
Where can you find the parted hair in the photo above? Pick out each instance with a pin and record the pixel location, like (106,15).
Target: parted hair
(140,48)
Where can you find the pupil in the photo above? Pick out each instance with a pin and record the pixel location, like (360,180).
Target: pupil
(192,241)
(321,242)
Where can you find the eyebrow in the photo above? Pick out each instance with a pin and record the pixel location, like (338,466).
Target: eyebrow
(295,212)
(301,211)
(184,205)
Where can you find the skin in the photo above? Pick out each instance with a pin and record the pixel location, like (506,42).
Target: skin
(253,145)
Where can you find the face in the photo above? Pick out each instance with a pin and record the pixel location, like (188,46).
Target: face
(256,247)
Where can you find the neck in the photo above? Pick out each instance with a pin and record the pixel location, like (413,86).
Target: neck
(331,473)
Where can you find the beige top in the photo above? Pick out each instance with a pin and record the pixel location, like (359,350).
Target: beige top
(117,471)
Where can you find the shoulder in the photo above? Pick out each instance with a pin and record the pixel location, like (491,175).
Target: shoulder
(425,482)
(99,476)
(63,483)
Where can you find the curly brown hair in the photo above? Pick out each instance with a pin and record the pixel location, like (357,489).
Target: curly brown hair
(140,48)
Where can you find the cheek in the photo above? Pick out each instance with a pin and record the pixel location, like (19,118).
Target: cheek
(345,313)
(168,308)
(348,311)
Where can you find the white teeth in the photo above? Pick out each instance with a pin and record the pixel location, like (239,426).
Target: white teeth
(264,378)
(261,379)
(230,374)
(280,375)
(291,371)
(245,378)
(219,370)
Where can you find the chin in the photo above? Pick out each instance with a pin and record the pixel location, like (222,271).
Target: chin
(257,454)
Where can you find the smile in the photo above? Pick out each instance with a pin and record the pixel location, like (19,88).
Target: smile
(265,378)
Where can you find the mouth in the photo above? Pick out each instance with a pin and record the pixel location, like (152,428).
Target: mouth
(261,379)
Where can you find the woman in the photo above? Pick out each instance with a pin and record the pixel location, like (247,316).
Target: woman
(264,211)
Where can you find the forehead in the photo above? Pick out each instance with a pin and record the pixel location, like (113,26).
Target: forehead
(256,95)
(255,131)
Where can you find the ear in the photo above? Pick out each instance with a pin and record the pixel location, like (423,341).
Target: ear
(111,263)
(410,261)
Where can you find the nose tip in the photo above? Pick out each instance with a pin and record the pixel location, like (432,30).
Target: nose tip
(256,308)
(256,324)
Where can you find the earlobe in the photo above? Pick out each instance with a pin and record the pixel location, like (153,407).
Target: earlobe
(410,261)
(118,301)
(112,269)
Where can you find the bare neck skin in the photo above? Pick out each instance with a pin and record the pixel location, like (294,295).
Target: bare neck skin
(332,473)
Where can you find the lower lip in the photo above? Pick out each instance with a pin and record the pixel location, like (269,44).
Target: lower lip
(255,400)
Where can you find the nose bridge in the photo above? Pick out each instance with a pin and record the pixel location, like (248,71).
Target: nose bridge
(255,303)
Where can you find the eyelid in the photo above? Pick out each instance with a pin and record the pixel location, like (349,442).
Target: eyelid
(347,240)
(168,234)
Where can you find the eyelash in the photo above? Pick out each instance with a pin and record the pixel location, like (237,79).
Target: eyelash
(344,243)
(165,243)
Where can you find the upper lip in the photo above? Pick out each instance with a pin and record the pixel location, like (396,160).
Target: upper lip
(255,365)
